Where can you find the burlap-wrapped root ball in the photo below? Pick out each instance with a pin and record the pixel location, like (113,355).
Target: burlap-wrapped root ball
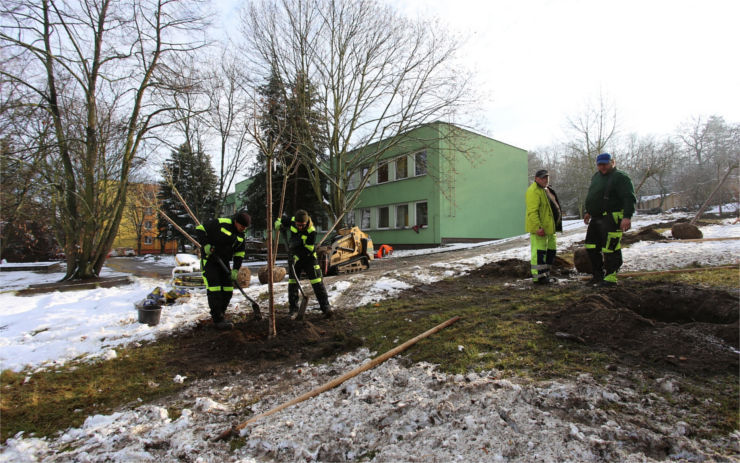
(244,277)
(278,273)
(581,261)
(686,231)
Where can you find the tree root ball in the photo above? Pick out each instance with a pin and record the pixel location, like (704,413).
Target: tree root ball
(686,231)
(278,273)
(581,261)
(244,277)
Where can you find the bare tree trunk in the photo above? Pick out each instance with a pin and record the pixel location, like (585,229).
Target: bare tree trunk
(272,331)
(711,196)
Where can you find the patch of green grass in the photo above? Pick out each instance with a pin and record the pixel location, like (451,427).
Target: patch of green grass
(718,279)
(58,398)
(498,328)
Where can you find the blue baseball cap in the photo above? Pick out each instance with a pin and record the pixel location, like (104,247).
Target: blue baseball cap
(603,158)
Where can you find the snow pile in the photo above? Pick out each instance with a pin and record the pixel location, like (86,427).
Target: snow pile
(390,413)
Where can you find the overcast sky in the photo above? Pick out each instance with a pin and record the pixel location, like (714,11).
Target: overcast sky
(660,62)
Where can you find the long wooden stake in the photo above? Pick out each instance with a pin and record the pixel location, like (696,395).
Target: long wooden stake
(699,240)
(179,228)
(336,382)
(683,270)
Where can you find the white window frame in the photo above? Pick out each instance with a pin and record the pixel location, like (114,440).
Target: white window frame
(383,165)
(416,214)
(380,215)
(395,167)
(366,214)
(426,163)
(397,208)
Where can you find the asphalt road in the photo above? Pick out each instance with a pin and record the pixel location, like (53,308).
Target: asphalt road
(153,270)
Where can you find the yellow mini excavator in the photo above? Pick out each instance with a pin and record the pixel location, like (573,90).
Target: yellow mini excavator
(351,250)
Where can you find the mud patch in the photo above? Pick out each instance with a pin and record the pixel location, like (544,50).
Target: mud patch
(517,268)
(205,351)
(684,328)
(644,234)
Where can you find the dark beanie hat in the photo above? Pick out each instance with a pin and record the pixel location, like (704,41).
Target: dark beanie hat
(243,218)
(301,216)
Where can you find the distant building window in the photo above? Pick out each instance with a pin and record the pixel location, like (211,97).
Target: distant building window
(147,225)
(365,219)
(383,217)
(354,181)
(420,163)
(402,167)
(402,216)
(350,219)
(421,214)
(148,240)
(148,211)
(383,172)
(363,173)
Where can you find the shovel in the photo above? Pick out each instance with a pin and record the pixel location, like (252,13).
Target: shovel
(304,299)
(255,306)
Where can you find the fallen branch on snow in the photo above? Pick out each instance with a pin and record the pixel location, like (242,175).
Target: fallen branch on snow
(336,382)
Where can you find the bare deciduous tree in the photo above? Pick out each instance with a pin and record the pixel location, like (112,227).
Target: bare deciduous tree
(376,75)
(99,69)
(589,133)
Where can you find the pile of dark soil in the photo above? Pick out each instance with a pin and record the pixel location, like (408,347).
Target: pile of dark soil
(687,328)
(205,351)
(516,268)
(644,234)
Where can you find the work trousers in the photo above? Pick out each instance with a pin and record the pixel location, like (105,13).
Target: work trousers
(310,267)
(219,288)
(543,255)
(604,246)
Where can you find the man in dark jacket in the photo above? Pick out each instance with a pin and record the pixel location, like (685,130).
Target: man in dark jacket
(222,239)
(610,203)
(302,254)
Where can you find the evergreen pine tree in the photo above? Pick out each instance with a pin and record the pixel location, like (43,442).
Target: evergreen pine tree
(289,116)
(193,176)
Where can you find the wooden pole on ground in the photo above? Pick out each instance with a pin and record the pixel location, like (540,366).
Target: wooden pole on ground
(336,382)
(699,240)
(683,270)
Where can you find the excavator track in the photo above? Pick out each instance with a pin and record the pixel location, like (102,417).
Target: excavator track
(357,264)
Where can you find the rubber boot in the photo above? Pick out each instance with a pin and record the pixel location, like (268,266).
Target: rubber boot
(320,291)
(292,298)
(597,266)
(214,304)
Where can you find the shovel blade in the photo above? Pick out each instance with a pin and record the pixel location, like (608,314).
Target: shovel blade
(301,309)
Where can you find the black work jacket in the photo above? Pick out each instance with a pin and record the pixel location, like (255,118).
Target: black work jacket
(222,235)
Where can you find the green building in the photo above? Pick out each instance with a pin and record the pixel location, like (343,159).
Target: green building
(440,184)
(444,184)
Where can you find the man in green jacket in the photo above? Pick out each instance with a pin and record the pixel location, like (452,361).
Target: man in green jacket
(544,218)
(610,203)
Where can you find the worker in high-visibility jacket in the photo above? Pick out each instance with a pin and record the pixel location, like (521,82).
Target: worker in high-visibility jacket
(543,219)
(302,253)
(222,239)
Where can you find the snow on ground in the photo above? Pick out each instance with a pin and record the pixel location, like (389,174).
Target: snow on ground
(392,413)
(53,328)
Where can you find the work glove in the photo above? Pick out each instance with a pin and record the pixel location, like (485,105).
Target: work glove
(234,274)
(208,249)
(278,224)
